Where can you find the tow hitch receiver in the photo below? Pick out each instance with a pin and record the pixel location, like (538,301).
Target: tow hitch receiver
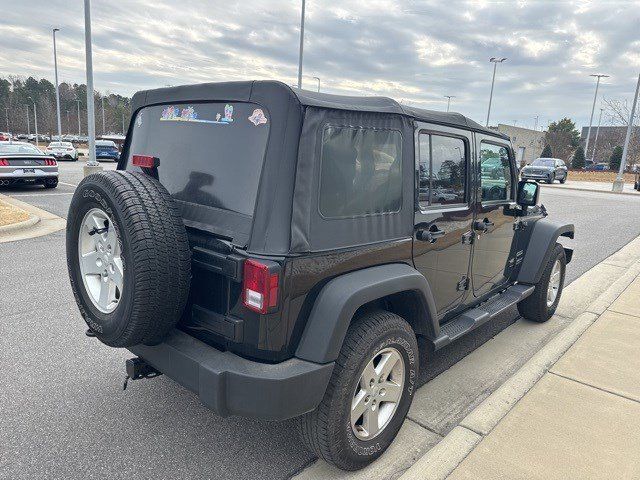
(137,368)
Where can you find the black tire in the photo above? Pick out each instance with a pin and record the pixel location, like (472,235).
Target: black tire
(155,255)
(535,307)
(51,183)
(551,179)
(564,179)
(327,430)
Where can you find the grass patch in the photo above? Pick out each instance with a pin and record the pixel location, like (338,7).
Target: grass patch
(603,176)
(10,214)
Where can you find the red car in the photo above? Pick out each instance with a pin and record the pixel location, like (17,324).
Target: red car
(5,137)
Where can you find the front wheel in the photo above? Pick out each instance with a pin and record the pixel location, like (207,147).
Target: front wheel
(542,303)
(369,394)
(564,179)
(551,179)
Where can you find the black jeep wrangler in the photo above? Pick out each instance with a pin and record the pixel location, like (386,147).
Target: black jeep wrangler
(278,251)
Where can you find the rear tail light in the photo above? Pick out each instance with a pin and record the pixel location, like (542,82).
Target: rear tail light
(260,285)
(145,161)
(4,162)
(50,162)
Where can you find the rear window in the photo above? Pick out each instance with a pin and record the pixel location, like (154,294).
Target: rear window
(360,172)
(210,154)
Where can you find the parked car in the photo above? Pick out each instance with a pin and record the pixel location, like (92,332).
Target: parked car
(62,151)
(273,255)
(601,167)
(106,149)
(545,169)
(22,163)
(5,136)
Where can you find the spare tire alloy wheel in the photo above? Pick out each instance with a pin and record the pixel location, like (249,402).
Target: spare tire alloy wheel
(128,257)
(100,262)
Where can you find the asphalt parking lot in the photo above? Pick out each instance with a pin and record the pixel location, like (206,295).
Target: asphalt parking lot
(64,414)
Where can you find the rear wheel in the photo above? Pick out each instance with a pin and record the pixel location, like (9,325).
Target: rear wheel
(564,179)
(551,178)
(369,393)
(542,303)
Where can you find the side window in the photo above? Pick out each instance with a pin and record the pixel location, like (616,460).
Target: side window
(495,172)
(360,172)
(441,170)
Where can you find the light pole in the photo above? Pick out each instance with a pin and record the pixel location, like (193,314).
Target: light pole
(55,67)
(28,124)
(318,79)
(68,124)
(79,127)
(495,62)
(91,119)
(35,118)
(535,126)
(618,184)
(122,123)
(103,123)
(595,140)
(301,46)
(6,112)
(595,97)
(449,97)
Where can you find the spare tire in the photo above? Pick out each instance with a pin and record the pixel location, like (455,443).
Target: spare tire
(128,257)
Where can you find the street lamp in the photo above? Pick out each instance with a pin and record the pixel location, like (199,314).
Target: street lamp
(495,62)
(103,124)
(595,97)
(35,118)
(301,45)
(68,124)
(79,126)
(618,184)
(91,119)
(318,79)
(595,140)
(535,126)
(55,67)
(449,97)
(6,112)
(28,124)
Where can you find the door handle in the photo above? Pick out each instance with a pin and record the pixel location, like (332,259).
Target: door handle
(430,235)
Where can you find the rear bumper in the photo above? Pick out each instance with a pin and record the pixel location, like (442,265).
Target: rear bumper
(232,385)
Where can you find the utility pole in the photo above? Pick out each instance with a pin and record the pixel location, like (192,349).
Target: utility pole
(35,118)
(595,140)
(495,62)
(595,97)
(301,46)
(318,79)
(92,164)
(618,184)
(55,66)
(449,97)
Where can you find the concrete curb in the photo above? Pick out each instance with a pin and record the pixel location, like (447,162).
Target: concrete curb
(40,222)
(14,227)
(564,187)
(439,462)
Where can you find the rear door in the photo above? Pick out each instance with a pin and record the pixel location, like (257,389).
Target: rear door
(443,217)
(494,252)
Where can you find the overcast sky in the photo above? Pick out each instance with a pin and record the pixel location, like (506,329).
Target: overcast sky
(415,51)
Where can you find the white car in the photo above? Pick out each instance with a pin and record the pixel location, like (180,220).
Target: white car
(62,151)
(22,163)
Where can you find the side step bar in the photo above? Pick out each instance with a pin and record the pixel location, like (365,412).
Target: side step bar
(472,319)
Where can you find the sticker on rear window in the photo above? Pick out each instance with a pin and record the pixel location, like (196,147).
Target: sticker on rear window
(257,117)
(174,113)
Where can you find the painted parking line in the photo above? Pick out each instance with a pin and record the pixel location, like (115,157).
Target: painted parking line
(68,184)
(39,194)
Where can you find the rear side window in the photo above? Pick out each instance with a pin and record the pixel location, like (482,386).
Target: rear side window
(210,154)
(361,172)
(442,170)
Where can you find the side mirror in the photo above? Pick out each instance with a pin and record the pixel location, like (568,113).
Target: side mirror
(528,193)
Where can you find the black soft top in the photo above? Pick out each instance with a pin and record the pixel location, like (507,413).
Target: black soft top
(264,89)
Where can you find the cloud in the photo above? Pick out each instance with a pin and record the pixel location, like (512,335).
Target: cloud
(413,50)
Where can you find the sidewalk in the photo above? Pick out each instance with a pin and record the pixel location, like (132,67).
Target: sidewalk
(580,420)
(604,187)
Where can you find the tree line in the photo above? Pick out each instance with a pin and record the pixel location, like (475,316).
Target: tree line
(18,96)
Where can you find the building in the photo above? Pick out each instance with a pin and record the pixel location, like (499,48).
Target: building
(527,143)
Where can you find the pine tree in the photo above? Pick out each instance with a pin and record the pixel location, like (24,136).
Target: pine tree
(578,159)
(616,158)
(546,152)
